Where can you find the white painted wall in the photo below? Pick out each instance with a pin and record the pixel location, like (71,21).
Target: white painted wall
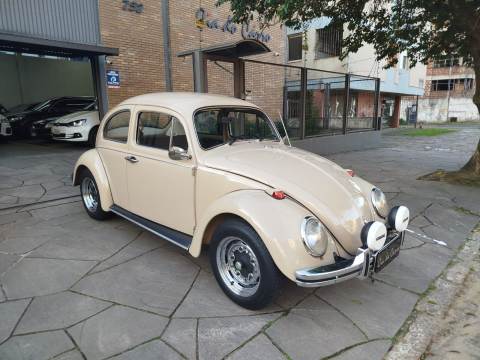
(435,110)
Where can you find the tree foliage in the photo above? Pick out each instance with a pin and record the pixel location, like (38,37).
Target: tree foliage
(426,29)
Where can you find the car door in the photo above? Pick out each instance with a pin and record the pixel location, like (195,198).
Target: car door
(161,189)
(113,149)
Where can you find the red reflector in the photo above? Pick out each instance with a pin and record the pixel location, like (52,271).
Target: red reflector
(351,172)
(279,195)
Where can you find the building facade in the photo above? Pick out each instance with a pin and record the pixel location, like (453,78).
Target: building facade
(132,47)
(449,89)
(150,34)
(319,47)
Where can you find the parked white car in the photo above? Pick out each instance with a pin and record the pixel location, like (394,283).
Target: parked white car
(81,126)
(5,128)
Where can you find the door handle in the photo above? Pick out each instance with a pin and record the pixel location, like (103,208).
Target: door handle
(131,158)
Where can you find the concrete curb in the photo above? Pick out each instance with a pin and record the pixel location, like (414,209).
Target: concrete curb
(416,334)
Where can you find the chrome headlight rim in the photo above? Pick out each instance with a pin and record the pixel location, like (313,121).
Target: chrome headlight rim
(380,208)
(324,238)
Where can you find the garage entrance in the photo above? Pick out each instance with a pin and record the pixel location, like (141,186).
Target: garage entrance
(32,78)
(46,80)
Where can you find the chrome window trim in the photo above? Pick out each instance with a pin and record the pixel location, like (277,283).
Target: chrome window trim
(110,118)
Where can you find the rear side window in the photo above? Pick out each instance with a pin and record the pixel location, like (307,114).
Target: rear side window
(154,129)
(116,128)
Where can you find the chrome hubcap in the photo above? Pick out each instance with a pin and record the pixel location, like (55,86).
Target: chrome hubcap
(89,194)
(238,266)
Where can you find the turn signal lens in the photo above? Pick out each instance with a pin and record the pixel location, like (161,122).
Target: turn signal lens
(279,195)
(351,172)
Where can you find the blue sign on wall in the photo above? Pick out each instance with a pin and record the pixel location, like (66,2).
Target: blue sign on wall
(113,79)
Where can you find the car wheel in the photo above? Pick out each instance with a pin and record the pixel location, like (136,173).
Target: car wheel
(243,266)
(92,136)
(91,197)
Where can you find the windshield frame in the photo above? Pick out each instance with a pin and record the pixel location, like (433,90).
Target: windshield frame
(239,108)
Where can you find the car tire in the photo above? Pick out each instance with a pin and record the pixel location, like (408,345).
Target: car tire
(91,197)
(243,266)
(92,136)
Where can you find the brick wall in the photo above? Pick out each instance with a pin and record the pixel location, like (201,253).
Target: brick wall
(264,82)
(140,40)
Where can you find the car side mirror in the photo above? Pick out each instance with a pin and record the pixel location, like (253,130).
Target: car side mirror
(177,153)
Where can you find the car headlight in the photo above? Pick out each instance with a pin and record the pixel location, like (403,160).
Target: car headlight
(77,122)
(15,118)
(379,202)
(314,236)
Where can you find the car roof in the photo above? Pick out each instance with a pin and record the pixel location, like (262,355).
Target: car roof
(186,101)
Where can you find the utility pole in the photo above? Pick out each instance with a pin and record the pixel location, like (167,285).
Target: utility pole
(416,112)
(449,81)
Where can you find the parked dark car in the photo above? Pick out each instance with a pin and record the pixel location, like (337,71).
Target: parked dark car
(20,109)
(31,123)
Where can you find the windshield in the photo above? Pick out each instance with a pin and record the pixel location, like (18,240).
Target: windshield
(218,126)
(41,106)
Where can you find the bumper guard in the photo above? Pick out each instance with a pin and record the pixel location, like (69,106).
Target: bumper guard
(361,266)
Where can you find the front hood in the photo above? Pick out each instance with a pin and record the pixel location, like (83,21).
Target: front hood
(17,115)
(75,116)
(44,121)
(338,200)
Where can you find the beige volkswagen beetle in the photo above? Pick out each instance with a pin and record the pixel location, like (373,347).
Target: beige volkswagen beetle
(199,170)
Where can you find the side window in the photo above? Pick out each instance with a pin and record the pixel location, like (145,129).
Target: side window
(154,129)
(116,128)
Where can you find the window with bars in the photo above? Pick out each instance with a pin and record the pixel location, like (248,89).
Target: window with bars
(329,42)
(452,84)
(295,47)
(446,62)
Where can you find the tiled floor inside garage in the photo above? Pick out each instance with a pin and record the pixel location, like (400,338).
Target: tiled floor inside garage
(73,288)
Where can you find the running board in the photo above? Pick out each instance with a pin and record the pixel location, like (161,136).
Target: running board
(175,237)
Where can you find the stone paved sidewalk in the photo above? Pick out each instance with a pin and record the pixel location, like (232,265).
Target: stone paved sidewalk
(459,334)
(39,171)
(73,288)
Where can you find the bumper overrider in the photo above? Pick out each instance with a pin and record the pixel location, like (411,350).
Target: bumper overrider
(361,266)
(370,258)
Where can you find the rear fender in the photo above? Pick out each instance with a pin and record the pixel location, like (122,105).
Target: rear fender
(91,160)
(277,222)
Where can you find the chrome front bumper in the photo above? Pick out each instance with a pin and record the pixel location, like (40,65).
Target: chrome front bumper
(361,266)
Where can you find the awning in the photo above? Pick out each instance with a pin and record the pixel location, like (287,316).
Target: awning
(19,43)
(232,50)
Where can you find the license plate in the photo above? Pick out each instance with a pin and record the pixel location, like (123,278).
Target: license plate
(55,131)
(387,254)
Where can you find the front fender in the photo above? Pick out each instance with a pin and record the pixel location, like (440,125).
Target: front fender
(92,161)
(277,222)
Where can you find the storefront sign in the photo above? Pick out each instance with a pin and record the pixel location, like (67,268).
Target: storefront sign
(202,21)
(132,5)
(113,79)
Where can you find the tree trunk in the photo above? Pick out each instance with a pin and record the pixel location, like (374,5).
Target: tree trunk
(473,165)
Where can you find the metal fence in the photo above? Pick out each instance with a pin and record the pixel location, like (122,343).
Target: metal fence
(313,102)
